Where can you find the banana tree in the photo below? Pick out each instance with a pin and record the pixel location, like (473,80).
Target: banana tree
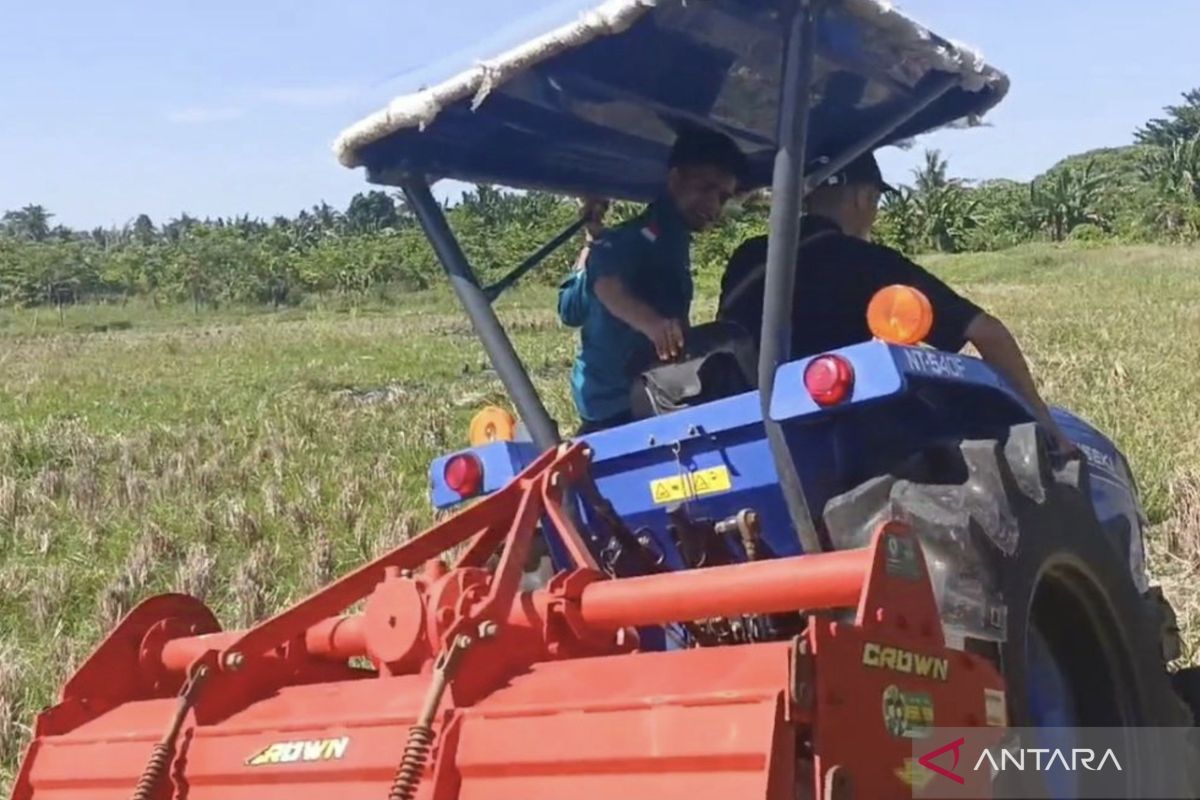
(1067,199)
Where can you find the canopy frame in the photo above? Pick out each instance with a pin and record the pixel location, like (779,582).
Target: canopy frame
(790,187)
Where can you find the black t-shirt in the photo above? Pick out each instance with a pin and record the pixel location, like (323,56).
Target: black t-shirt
(836,278)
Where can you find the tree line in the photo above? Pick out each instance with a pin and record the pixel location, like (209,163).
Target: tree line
(1148,191)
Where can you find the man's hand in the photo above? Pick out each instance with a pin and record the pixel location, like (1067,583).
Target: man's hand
(593,209)
(665,334)
(667,337)
(999,349)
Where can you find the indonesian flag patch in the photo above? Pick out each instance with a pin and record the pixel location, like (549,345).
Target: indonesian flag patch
(651,232)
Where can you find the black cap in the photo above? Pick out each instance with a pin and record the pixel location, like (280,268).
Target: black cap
(864,169)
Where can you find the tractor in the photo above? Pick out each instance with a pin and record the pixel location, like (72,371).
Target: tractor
(782,592)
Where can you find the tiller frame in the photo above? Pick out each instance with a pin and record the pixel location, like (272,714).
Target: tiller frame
(528,689)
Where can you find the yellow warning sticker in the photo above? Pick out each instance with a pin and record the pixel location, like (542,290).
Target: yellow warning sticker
(691,484)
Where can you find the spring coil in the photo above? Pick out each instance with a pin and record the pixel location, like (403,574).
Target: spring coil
(164,752)
(412,764)
(156,767)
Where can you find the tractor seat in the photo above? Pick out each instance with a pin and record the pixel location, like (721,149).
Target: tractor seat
(719,360)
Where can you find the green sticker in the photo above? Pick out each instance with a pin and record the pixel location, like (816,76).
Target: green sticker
(907,715)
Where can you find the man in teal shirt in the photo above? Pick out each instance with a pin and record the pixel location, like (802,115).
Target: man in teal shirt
(634,290)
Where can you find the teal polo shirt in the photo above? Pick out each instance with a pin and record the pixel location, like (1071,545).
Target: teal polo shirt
(652,255)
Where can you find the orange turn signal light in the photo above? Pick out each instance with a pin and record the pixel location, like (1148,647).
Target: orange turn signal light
(900,314)
(492,424)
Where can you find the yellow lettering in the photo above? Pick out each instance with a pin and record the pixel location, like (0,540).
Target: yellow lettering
(336,748)
(924,665)
(292,752)
(905,661)
(303,750)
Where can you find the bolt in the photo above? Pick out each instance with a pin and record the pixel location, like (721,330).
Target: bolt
(587,453)
(652,441)
(234,661)
(488,629)
(693,430)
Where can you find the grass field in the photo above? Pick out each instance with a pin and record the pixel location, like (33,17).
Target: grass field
(230,457)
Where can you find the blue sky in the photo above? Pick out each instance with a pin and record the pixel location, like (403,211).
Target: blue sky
(220,108)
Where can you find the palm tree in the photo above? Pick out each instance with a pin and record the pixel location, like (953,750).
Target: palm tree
(32,222)
(934,175)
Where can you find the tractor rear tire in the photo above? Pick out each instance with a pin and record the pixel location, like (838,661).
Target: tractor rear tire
(1071,603)
(1031,533)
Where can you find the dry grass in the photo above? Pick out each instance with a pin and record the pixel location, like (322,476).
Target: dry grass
(246,460)
(1182,529)
(1175,555)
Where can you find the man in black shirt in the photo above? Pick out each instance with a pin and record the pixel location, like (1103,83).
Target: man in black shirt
(840,270)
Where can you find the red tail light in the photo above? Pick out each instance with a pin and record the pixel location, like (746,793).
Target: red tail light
(464,475)
(829,380)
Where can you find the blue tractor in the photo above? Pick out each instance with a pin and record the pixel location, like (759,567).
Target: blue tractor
(1037,562)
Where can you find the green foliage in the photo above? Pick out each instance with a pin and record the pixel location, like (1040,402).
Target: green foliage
(948,215)
(1005,215)
(899,224)
(937,213)
(1174,171)
(322,251)
(1066,199)
(1130,194)
(1182,122)
(1147,192)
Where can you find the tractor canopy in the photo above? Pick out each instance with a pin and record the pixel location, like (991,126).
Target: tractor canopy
(586,97)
